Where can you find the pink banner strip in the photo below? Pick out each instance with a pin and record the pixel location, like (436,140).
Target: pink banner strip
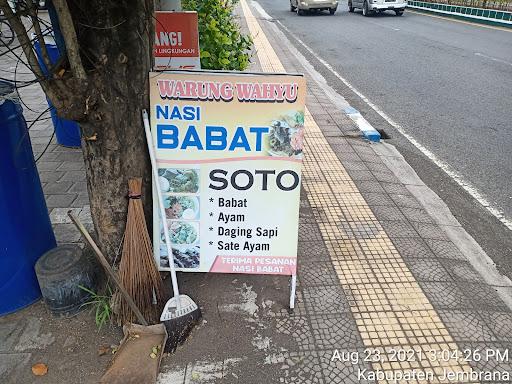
(255,265)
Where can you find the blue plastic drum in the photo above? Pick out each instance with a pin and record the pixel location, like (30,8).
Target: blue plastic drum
(67,132)
(25,229)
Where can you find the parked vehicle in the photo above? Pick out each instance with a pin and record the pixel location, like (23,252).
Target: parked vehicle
(302,6)
(369,7)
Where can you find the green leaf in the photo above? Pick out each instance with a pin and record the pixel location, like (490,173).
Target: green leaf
(221,43)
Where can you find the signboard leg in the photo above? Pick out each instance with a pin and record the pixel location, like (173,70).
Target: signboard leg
(292,292)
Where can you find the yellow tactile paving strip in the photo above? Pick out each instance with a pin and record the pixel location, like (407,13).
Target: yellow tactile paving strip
(389,307)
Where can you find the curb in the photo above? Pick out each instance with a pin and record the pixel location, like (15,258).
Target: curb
(476,15)
(364,126)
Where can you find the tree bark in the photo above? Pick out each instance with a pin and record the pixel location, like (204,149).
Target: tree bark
(116,39)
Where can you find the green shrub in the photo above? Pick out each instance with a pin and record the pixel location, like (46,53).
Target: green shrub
(222,44)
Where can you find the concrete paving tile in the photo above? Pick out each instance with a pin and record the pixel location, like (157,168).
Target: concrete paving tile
(361,175)
(430,231)
(417,215)
(359,229)
(461,270)
(304,203)
(500,323)
(281,309)
(385,177)
(312,250)
(373,166)
(355,165)
(339,141)
(40,133)
(397,189)
(412,248)
(325,299)
(482,296)
(57,187)
(331,331)
(331,132)
(445,295)
(60,200)
(71,166)
(327,215)
(50,176)
(388,213)
(375,199)
(307,218)
(398,229)
(292,334)
(428,270)
(78,187)
(309,232)
(62,149)
(48,156)
(362,147)
(60,215)
(73,175)
(43,140)
(48,165)
(37,149)
(445,249)
(298,367)
(370,186)
(344,371)
(74,156)
(433,204)
(343,156)
(81,200)
(402,200)
(371,158)
(466,326)
(318,273)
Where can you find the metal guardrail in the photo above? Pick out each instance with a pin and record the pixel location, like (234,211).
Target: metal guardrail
(480,14)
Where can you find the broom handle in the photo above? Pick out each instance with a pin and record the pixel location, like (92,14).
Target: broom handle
(156,184)
(108,269)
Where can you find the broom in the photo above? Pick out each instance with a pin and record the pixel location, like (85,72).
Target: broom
(180,313)
(137,270)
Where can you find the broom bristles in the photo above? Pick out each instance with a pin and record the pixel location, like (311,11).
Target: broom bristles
(137,270)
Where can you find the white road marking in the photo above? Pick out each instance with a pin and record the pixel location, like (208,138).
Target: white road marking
(382,25)
(454,175)
(493,58)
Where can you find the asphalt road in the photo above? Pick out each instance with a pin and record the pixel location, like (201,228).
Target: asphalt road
(447,83)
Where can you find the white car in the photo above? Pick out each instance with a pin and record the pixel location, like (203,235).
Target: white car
(369,7)
(302,6)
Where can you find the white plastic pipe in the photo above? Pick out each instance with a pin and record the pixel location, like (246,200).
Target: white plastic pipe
(156,185)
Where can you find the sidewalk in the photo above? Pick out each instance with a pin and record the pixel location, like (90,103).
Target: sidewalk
(378,271)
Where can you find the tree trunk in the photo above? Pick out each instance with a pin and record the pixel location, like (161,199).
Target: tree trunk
(116,39)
